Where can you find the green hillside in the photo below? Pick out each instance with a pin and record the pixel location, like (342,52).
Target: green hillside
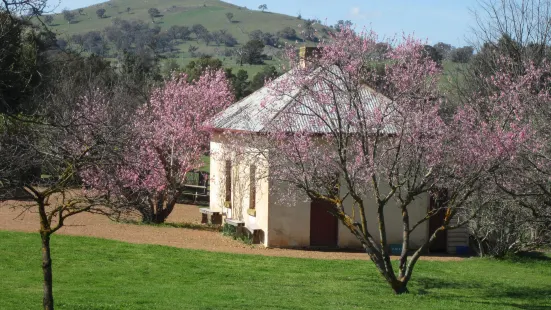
(209,13)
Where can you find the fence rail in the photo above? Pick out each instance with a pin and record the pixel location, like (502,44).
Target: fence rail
(197,187)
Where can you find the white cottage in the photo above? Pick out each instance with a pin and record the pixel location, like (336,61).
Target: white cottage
(242,195)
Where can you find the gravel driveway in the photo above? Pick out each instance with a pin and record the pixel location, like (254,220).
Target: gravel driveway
(101,227)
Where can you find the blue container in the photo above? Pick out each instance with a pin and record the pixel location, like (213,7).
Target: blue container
(395,249)
(461,250)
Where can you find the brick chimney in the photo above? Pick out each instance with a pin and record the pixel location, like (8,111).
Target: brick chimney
(306,54)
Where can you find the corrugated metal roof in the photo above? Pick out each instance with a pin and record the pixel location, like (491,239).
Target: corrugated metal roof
(265,109)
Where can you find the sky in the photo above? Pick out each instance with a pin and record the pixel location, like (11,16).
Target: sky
(434,20)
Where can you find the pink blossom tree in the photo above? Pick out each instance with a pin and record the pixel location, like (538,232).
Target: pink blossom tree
(520,89)
(522,218)
(169,136)
(339,141)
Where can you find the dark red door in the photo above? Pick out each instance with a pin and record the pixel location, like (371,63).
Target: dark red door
(323,225)
(438,203)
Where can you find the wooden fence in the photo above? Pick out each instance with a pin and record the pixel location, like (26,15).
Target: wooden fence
(197,188)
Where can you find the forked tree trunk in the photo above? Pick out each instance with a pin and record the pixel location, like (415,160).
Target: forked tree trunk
(48,298)
(399,288)
(159,209)
(398,285)
(160,216)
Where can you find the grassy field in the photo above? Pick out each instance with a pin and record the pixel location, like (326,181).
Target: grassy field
(101,274)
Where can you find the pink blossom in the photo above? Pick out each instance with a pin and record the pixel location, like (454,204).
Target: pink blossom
(170,134)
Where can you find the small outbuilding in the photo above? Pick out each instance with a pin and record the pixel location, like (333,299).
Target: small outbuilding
(243,195)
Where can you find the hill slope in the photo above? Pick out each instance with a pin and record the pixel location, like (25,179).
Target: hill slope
(210,13)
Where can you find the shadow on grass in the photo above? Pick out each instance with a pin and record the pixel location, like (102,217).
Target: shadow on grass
(531,256)
(193,226)
(430,282)
(522,297)
(504,304)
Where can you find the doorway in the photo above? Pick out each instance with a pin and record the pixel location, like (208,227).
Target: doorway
(438,203)
(324,226)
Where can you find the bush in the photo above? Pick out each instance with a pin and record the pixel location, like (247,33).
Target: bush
(462,54)
(226,52)
(252,53)
(231,231)
(265,37)
(288,33)
(100,12)
(506,228)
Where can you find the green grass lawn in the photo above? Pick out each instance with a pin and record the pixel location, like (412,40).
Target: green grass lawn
(206,162)
(101,274)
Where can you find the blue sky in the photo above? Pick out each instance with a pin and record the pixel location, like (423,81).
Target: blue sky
(434,20)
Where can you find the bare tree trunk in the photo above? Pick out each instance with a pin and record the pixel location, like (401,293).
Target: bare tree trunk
(400,287)
(147,214)
(405,242)
(48,298)
(45,233)
(377,255)
(160,208)
(159,217)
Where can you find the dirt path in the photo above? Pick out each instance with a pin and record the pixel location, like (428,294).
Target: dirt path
(101,227)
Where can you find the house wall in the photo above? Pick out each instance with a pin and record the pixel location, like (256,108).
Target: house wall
(242,158)
(283,213)
(216,177)
(393,218)
(289,220)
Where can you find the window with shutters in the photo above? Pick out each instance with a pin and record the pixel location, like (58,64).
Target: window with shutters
(252,182)
(228,180)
